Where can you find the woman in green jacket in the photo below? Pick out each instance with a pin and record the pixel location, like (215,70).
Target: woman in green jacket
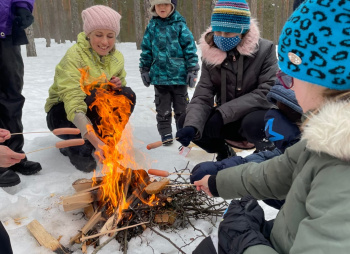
(68,104)
(313,175)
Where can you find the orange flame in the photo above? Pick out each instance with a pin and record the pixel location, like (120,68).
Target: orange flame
(114,111)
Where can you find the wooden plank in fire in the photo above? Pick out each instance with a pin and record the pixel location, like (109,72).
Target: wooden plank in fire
(84,183)
(45,239)
(81,199)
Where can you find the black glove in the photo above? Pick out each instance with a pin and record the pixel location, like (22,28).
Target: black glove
(186,135)
(24,17)
(212,168)
(202,169)
(241,226)
(145,77)
(191,78)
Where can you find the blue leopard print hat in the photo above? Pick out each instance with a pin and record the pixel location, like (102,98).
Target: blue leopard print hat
(314,45)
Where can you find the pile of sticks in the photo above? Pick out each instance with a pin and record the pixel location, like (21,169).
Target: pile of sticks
(176,205)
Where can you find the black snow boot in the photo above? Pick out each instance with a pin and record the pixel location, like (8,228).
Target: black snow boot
(8,178)
(26,167)
(80,159)
(167,139)
(226,152)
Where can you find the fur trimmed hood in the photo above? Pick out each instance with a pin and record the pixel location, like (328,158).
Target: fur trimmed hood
(328,131)
(247,47)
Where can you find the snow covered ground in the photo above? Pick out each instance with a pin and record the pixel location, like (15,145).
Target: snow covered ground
(39,196)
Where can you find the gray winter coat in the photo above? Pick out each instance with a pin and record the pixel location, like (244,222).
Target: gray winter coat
(247,82)
(313,177)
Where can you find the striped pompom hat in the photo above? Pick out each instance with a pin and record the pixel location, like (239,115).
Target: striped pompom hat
(231,16)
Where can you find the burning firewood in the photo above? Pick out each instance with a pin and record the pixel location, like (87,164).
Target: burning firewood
(157,187)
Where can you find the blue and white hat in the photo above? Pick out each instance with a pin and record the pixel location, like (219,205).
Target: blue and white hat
(314,45)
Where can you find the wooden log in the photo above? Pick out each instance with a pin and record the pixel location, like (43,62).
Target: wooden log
(81,200)
(92,222)
(45,239)
(157,187)
(167,218)
(84,183)
(75,239)
(89,211)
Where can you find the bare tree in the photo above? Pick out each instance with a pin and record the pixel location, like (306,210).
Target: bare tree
(213,3)
(76,28)
(275,24)
(196,17)
(31,50)
(146,7)
(138,23)
(254,8)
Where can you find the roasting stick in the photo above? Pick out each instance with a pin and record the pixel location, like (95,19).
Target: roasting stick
(58,131)
(84,238)
(158,172)
(63,144)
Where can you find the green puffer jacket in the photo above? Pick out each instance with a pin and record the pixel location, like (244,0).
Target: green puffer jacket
(66,86)
(313,176)
(168,50)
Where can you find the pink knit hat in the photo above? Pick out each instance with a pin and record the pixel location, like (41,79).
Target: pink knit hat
(100,17)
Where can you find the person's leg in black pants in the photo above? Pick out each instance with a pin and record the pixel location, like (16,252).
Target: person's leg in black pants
(250,128)
(180,100)
(11,98)
(163,100)
(5,243)
(12,101)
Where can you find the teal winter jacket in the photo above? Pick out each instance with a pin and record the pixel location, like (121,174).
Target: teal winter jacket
(168,50)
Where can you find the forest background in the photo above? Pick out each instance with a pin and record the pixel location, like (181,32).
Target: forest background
(61,19)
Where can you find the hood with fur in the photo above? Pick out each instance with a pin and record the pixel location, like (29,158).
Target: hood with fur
(247,47)
(328,131)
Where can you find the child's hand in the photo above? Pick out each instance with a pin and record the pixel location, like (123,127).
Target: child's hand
(191,78)
(4,135)
(203,185)
(145,78)
(117,83)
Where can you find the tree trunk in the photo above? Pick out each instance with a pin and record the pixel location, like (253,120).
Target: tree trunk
(88,3)
(148,16)
(213,2)
(138,23)
(254,8)
(31,50)
(196,17)
(56,21)
(76,28)
(261,18)
(275,24)
(46,22)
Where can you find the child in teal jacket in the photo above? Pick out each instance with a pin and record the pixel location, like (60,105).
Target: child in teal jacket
(169,62)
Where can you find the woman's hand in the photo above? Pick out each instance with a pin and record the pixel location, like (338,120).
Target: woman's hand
(203,185)
(9,158)
(97,143)
(117,83)
(4,135)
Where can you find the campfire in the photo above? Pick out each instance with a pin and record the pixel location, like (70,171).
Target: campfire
(125,200)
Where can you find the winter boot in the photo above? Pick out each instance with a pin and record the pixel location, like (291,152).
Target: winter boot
(227,152)
(85,163)
(26,167)
(167,139)
(8,178)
